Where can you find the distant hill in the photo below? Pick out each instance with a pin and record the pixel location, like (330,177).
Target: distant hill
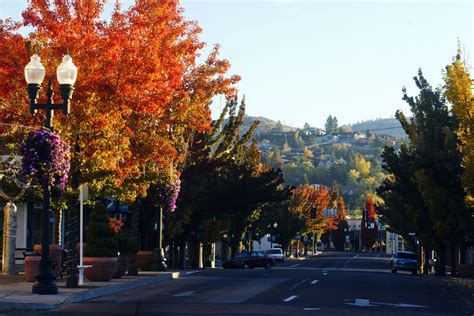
(389,126)
(266,124)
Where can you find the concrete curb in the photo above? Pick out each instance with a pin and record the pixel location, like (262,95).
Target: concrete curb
(95,293)
(91,293)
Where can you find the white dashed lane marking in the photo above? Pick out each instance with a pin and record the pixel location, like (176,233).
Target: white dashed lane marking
(289,299)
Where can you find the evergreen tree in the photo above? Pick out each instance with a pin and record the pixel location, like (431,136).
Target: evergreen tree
(331,125)
(100,235)
(279,126)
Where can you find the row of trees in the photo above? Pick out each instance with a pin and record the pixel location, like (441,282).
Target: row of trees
(140,123)
(140,99)
(355,175)
(429,190)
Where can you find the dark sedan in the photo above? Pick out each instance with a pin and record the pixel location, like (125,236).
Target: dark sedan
(250,260)
(405,261)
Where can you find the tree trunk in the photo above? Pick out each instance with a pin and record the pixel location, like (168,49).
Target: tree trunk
(134,229)
(171,253)
(176,253)
(441,262)
(462,255)
(57,230)
(195,256)
(182,254)
(72,236)
(426,256)
(9,238)
(72,224)
(453,252)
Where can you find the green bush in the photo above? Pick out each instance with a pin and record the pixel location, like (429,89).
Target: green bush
(100,236)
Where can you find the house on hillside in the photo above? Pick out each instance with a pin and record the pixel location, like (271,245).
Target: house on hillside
(312,131)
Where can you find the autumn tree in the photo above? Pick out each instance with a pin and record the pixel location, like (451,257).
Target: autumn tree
(459,94)
(139,96)
(369,229)
(224,180)
(342,226)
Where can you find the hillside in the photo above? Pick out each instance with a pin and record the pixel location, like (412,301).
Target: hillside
(389,126)
(266,125)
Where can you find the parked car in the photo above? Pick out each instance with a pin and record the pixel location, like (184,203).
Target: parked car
(250,260)
(275,253)
(319,246)
(405,261)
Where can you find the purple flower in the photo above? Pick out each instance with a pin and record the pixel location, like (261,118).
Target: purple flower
(167,194)
(46,157)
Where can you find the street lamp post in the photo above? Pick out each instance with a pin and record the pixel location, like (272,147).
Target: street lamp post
(34,75)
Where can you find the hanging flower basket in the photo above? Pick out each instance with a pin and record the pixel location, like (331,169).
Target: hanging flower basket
(46,157)
(167,194)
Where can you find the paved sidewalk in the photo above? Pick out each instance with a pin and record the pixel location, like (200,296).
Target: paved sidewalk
(18,296)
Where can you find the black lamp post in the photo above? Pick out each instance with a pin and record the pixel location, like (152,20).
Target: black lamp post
(34,75)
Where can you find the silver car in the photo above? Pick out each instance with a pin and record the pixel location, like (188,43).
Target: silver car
(275,253)
(405,261)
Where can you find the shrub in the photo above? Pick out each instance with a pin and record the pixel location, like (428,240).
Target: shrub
(101,240)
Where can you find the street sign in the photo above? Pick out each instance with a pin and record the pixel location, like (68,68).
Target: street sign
(412,234)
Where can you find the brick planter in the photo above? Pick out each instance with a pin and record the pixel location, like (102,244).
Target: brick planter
(122,265)
(55,255)
(466,270)
(144,259)
(31,267)
(103,269)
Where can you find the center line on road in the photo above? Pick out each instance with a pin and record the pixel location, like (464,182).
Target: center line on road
(298,284)
(188,293)
(314,281)
(289,299)
(295,265)
(311,308)
(350,259)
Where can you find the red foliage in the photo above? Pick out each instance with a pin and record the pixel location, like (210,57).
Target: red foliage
(115,224)
(139,90)
(369,229)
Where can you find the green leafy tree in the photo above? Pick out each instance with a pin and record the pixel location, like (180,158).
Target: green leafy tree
(435,167)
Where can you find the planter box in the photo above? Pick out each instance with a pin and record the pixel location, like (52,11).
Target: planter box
(122,265)
(102,269)
(466,270)
(31,267)
(55,255)
(144,259)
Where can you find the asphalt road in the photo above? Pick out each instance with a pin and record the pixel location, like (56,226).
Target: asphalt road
(329,284)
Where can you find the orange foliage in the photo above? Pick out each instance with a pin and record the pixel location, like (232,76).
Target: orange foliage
(305,198)
(139,90)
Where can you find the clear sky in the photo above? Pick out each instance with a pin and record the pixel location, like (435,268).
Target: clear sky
(301,61)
